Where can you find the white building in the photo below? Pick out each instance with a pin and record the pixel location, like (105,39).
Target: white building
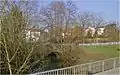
(100,31)
(33,34)
(92,30)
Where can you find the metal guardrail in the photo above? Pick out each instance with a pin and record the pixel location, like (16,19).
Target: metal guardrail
(85,69)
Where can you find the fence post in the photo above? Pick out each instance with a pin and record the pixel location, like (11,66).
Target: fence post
(103,65)
(90,67)
(114,63)
(73,70)
(57,72)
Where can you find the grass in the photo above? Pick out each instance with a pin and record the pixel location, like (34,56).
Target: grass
(108,51)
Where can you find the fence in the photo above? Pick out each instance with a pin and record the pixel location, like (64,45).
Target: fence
(107,43)
(85,69)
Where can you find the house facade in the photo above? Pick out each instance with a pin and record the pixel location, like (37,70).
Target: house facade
(92,30)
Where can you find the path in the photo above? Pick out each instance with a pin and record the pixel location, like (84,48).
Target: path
(110,72)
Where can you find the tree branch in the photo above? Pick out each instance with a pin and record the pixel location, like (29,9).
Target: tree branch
(25,60)
(7,56)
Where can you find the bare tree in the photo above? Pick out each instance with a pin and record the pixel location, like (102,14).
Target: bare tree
(15,52)
(90,19)
(58,14)
(87,19)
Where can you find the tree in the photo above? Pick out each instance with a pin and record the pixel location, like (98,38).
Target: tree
(87,19)
(16,53)
(90,19)
(112,31)
(19,56)
(58,15)
(59,18)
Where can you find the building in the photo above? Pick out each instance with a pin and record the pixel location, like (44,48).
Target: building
(92,30)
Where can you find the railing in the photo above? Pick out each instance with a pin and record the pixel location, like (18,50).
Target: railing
(107,43)
(85,69)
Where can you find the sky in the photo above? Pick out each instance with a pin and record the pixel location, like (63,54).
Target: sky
(109,9)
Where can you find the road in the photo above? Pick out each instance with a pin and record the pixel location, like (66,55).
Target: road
(110,72)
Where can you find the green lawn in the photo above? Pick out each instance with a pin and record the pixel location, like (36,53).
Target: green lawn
(108,51)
